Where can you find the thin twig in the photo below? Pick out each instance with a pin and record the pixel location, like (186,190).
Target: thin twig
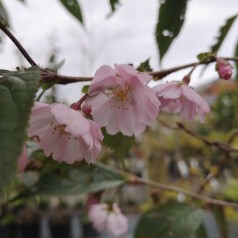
(158,75)
(137,180)
(226,159)
(134,180)
(221,145)
(62,79)
(16,42)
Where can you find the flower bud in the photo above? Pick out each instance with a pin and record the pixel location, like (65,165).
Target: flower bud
(224,68)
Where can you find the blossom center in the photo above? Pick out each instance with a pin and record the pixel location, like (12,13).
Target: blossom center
(119,97)
(60,130)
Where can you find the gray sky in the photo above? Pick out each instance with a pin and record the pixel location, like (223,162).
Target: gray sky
(126,37)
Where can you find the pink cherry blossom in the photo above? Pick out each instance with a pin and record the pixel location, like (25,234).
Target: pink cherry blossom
(65,133)
(22,160)
(224,68)
(177,97)
(120,100)
(108,218)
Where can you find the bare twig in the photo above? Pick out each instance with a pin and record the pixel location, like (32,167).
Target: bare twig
(158,75)
(221,145)
(134,180)
(226,158)
(62,79)
(16,42)
(137,180)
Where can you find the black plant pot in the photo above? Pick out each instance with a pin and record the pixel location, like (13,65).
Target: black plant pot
(30,230)
(8,231)
(89,231)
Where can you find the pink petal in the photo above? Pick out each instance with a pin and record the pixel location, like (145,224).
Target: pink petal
(97,215)
(117,224)
(40,118)
(47,142)
(73,152)
(113,125)
(76,123)
(188,110)
(102,111)
(196,98)
(125,70)
(169,90)
(126,121)
(146,104)
(104,78)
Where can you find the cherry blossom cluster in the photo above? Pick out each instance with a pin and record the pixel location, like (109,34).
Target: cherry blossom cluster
(118,99)
(121,100)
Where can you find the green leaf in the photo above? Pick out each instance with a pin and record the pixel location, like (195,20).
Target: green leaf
(74,8)
(236,62)
(17,92)
(119,143)
(4,14)
(74,180)
(145,66)
(168,220)
(202,57)
(85,89)
(114,5)
(170,21)
(223,31)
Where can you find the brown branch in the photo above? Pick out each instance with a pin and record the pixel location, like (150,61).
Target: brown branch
(164,187)
(62,79)
(221,145)
(16,42)
(158,75)
(134,180)
(226,158)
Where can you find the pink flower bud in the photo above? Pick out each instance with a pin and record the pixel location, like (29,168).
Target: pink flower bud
(224,68)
